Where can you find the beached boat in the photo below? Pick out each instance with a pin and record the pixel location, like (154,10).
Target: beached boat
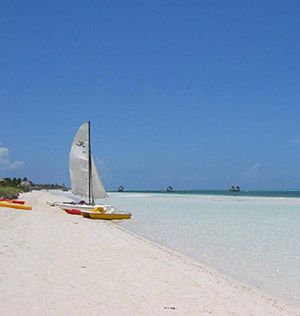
(100,213)
(15,205)
(73,212)
(13,201)
(85,180)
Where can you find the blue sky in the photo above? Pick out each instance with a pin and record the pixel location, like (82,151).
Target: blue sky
(193,94)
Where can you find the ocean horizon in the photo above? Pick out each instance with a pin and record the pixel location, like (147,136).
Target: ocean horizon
(293,193)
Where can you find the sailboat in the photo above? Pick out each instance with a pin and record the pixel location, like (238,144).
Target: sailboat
(85,181)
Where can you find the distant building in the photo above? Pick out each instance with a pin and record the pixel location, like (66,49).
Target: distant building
(169,189)
(25,184)
(121,188)
(2,181)
(235,188)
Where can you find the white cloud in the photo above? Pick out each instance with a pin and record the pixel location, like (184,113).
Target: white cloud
(255,167)
(253,171)
(4,153)
(4,160)
(295,141)
(17,164)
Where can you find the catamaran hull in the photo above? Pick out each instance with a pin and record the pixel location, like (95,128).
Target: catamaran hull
(87,211)
(73,212)
(82,207)
(109,216)
(16,206)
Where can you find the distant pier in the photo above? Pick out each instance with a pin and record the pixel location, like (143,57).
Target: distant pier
(250,193)
(227,192)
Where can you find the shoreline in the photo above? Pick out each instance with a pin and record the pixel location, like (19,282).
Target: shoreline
(223,193)
(191,194)
(257,254)
(275,198)
(210,269)
(97,267)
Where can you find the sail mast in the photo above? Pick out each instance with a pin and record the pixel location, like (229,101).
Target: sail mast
(90,165)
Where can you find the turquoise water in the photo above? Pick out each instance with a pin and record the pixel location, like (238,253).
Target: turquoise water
(254,240)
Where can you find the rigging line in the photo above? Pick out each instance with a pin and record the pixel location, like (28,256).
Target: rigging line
(91,198)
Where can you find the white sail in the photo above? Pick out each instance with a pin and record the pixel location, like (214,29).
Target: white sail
(79,162)
(79,167)
(98,191)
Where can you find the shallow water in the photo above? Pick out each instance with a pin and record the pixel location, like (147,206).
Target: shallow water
(254,240)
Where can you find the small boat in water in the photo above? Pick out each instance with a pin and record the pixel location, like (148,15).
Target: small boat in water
(85,179)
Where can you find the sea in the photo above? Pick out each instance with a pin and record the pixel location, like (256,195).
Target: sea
(251,236)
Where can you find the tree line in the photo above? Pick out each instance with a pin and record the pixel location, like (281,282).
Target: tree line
(15,181)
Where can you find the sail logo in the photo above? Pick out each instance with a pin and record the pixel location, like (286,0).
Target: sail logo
(80,143)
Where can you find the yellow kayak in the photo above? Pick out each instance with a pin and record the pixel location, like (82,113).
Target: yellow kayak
(14,205)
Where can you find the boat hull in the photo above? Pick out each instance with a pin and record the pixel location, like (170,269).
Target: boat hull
(73,212)
(83,207)
(12,201)
(16,206)
(106,216)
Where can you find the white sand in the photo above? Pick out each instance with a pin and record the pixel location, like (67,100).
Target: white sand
(53,263)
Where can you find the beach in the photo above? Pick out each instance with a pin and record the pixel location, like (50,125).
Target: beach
(53,263)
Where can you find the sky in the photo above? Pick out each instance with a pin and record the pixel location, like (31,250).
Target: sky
(197,94)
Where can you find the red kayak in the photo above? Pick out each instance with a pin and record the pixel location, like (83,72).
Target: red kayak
(73,212)
(13,201)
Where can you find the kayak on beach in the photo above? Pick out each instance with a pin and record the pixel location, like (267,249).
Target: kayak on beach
(12,201)
(14,205)
(73,212)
